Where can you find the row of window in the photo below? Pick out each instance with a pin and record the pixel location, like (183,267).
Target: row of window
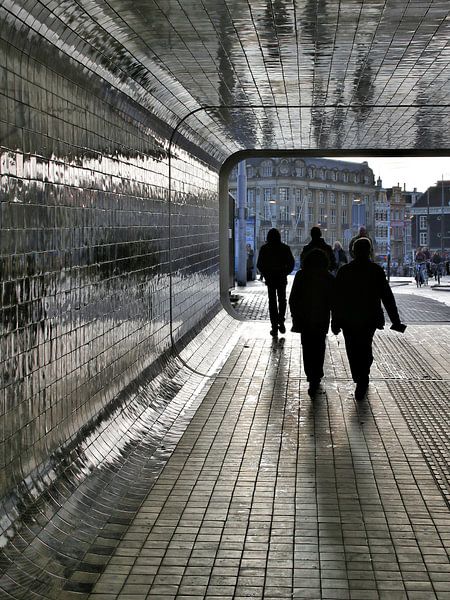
(267,169)
(297,235)
(284,214)
(283,195)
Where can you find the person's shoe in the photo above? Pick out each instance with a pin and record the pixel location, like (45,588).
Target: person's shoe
(313,387)
(274,332)
(282,328)
(361,390)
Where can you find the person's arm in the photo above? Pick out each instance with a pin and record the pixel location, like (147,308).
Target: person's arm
(387,298)
(295,292)
(290,261)
(295,302)
(260,261)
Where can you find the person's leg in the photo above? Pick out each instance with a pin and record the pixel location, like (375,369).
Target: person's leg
(358,344)
(273,308)
(313,346)
(281,292)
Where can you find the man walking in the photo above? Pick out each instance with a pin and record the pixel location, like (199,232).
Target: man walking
(361,287)
(362,233)
(275,262)
(317,241)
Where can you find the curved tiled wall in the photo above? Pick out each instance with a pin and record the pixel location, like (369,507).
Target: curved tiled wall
(101,270)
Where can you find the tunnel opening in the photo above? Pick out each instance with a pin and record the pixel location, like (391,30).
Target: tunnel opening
(338,192)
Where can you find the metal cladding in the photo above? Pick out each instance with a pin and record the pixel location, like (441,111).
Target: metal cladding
(115,117)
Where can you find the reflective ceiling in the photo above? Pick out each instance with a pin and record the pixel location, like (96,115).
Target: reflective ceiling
(278,74)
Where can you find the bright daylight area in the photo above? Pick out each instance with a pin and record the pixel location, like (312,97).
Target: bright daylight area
(402,202)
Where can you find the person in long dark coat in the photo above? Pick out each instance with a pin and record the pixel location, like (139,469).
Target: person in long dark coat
(275,262)
(317,241)
(361,287)
(311,301)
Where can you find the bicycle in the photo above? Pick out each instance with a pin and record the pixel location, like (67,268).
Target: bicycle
(421,274)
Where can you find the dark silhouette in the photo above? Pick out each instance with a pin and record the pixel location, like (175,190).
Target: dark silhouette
(361,286)
(250,259)
(317,241)
(275,262)
(361,234)
(310,302)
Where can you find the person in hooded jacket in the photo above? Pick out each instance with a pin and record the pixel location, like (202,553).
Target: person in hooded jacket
(317,241)
(275,262)
(311,301)
(361,287)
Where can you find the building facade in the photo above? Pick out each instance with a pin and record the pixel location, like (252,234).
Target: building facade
(295,194)
(430,221)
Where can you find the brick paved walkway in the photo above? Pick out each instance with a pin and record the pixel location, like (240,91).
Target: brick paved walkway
(269,495)
(424,305)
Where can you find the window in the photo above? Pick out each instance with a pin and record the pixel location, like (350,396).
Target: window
(343,198)
(309,197)
(423,222)
(283,213)
(298,213)
(298,194)
(321,174)
(267,212)
(322,215)
(310,214)
(284,194)
(267,194)
(344,216)
(250,172)
(321,197)
(266,168)
(334,175)
(250,197)
(332,198)
(333,216)
(345,176)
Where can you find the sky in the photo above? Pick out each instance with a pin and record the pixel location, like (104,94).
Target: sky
(415,172)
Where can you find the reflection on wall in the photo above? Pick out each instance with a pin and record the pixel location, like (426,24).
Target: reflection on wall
(88,274)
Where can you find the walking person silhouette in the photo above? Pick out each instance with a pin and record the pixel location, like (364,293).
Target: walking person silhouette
(275,262)
(311,301)
(317,241)
(361,287)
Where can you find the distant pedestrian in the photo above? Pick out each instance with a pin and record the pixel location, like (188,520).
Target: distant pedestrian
(362,233)
(361,287)
(310,302)
(339,256)
(317,241)
(275,262)
(250,265)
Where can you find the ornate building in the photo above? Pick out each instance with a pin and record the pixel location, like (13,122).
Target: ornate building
(431,219)
(294,194)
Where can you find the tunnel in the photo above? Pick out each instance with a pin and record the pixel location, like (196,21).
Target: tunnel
(120,122)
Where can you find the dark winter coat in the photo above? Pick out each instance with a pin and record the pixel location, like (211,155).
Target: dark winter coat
(311,300)
(361,287)
(275,262)
(321,244)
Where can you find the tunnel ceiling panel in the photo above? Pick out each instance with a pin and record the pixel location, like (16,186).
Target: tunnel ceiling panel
(279,74)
